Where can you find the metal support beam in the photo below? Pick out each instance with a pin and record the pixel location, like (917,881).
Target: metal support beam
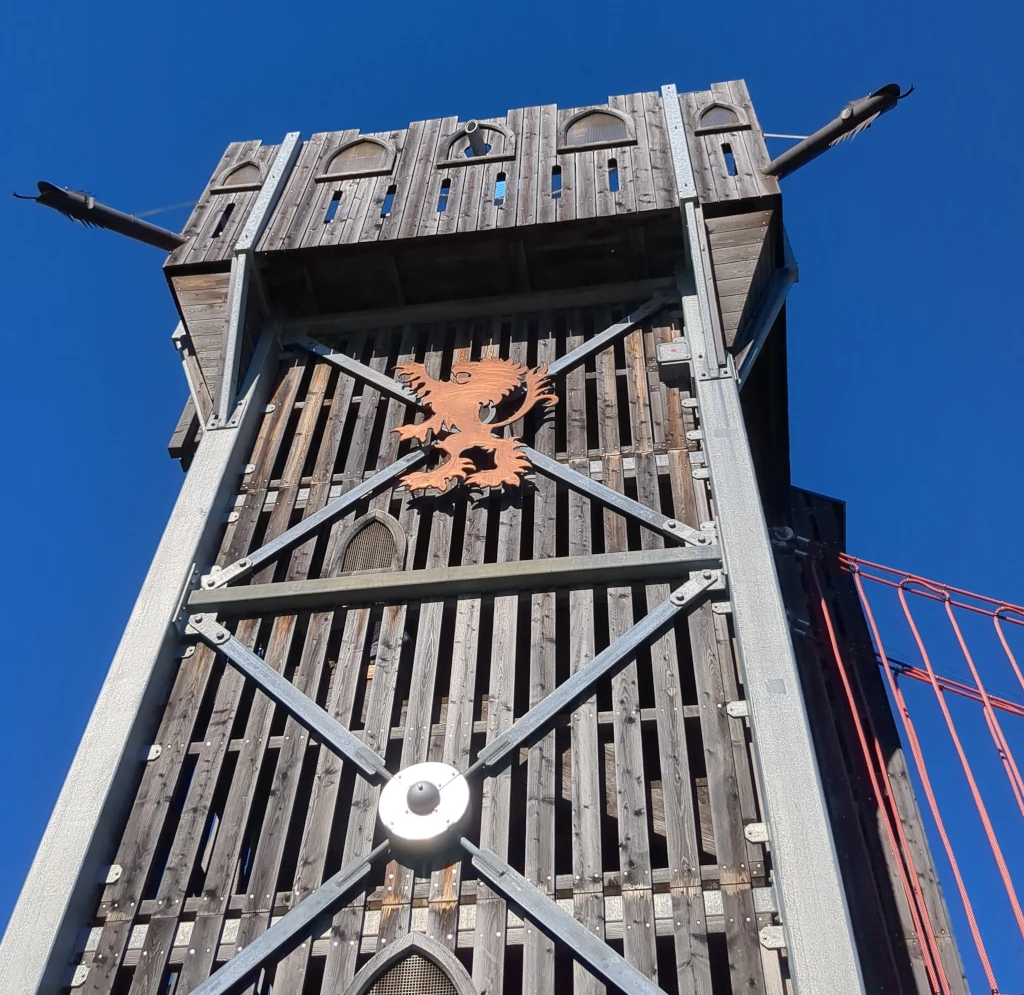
(605,338)
(327,593)
(596,955)
(539,719)
(671,528)
(385,384)
(59,893)
(243,272)
(279,689)
(819,939)
(308,526)
(768,308)
(295,926)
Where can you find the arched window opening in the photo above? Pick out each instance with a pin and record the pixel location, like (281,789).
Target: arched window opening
(414,974)
(718,116)
(371,548)
(499,190)
(374,542)
(597,128)
(415,963)
(245,175)
(362,157)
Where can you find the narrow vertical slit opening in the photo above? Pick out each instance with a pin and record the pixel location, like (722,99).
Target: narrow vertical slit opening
(613,176)
(499,190)
(556,182)
(442,197)
(223,222)
(730,159)
(389,201)
(332,207)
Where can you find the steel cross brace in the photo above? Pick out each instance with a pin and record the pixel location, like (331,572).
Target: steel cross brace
(668,527)
(300,532)
(580,686)
(302,921)
(538,907)
(281,690)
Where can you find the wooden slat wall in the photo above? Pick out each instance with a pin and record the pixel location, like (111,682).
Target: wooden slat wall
(241,816)
(644,168)
(209,240)
(714,182)
(744,255)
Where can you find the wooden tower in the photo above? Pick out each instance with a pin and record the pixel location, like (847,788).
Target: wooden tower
(543,734)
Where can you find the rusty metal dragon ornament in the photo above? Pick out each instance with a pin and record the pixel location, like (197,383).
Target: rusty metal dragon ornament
(454,420)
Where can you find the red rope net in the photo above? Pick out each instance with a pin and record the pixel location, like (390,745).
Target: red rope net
(947,619)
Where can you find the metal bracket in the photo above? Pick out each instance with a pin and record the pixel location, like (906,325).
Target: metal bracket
(154,752)
(737,709)
(755,832)
(113,874)
(772,938)
(81,973)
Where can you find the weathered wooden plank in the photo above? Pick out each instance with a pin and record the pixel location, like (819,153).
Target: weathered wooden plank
(587,866)
(347,926)
(630,780)
(373,220)
(421,137)
(565,205)
(233,828)
(396,907)
(320,231)
(488,971)
(539,950)
(533,167)
(429,215)
(640,154)
(294,195)
(507,213)
(443,907)
(662,171)
(201,211)
(547,139)
(120,902)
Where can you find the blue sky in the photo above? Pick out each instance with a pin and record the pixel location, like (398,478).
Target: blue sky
(904,343)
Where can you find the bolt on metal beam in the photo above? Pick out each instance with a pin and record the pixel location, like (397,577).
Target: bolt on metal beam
(279,689)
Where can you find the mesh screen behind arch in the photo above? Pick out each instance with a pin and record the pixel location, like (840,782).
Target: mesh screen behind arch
(371,548)
(414,975)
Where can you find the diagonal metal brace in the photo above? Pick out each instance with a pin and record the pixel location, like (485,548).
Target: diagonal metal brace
(671,528)
(599,958)
(381,381)
(569,694)
(605,338)
(297,925)
(300,532)
(280,690)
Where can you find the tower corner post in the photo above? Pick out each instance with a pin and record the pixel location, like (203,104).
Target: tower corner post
(59,891)
(819,936)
